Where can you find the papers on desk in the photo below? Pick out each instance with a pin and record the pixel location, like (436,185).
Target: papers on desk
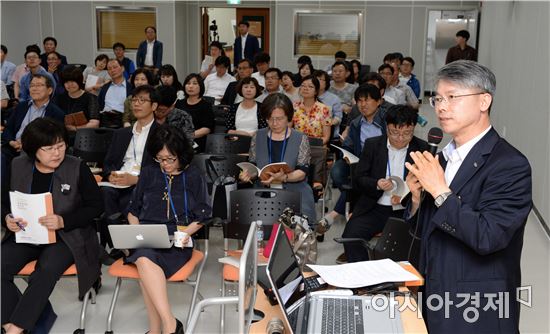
(30,207)
(360,274)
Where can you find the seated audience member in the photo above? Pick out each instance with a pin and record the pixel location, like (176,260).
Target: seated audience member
(343,89)
(382,157)
(140,77)
(330,100)
(208,64)
(75,99)
(272,83)
(168,113)
(279,143)
(376,79)
(244,118)
(391,94)
(355,72)
(124,160)
(21,70)
(394,60)
(314,119)
(406,77)
(7,68)
(100,71)
(339,56)
(50,45)
(199,109)
(297,79)
(45,167)
(32,60)
(149,53)
(368,125)
(244,70)
(111,96)
(127,63)
(304,70)
(4,97)
(55,68)
(287,83)
(169,77)
(262,62)
(215,84)
(176,195)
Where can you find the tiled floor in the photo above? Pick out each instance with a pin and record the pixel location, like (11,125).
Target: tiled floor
(130,315)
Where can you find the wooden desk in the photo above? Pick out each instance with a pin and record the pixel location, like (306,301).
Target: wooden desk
(409,318)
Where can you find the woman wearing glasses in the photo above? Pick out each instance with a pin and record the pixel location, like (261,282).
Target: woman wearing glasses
(280,143)
(76,202)
(173,193)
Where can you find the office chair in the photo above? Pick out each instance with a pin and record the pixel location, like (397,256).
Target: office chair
(224,164)
(91,145)
(222,143)
(247,278)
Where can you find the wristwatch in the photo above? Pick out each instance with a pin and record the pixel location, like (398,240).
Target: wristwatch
(439,200)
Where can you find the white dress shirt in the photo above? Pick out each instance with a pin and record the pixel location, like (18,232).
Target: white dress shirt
(136,148)
(215,86)
(395,167)
(260,78)
(115,97)
(243,43)
(149,55)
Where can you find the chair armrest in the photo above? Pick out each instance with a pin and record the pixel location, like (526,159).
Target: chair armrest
(364,242)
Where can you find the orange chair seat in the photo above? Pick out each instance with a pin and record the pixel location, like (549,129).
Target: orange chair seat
(230,273)
(119,269)
(29,269)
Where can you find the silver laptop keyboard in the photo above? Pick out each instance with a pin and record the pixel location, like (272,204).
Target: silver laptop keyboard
(342,316)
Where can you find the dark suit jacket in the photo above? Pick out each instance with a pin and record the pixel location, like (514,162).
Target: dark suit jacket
(44,60)
(142,51)
(251,48)
(372,167)
(114,158)
(230,94)
(18,115)
(473,242)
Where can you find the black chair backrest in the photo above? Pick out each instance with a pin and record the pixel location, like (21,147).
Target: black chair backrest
(394,242)
(91,145)
(81,67)
(248,205)
(221,143)
(224,164)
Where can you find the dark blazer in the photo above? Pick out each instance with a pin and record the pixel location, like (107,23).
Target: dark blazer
(18,115)
(142,51)
(251,48)
(473,242)
(230,93)
(352,142)
(114,158)
(372,167)
(103,92)
(44,60)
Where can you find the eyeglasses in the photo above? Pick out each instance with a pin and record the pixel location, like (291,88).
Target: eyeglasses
(438,99)
(139,100)
(397,134)
(166,160)
(32,57)
(50,149)
(36,85)
(277,119)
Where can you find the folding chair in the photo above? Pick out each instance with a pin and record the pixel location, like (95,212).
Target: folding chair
(222,143)
(28,269)
(248,205)
(198,258)
(247,287)
(91,145)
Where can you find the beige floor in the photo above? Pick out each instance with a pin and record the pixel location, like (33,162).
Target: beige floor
(130,315)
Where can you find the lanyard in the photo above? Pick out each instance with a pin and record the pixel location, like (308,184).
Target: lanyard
(169,191)
(270,143)
(51,181)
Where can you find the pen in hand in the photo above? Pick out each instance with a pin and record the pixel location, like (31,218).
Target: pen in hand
(17,223)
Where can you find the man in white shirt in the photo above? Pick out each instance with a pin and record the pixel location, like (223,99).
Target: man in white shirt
(262,61)
(124,160)
(215,84)
(149,54)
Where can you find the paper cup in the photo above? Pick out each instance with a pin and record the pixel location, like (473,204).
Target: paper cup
(178,238)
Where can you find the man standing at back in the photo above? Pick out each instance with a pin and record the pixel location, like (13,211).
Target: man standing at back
(149,53)
(461,50)
(472,219)
(246,46)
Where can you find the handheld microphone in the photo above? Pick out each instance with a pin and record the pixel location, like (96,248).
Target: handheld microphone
(435,135)
(275,326)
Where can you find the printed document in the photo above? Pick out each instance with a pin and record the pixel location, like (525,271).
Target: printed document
(30,207)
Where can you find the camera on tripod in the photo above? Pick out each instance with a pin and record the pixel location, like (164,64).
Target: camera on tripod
(214,31)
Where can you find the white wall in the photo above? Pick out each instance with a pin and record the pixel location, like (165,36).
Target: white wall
(223,17)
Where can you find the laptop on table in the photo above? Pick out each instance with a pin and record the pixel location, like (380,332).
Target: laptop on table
(140,236)
(306,313)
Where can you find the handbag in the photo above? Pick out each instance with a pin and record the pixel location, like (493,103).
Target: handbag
(305,241)
(222,186)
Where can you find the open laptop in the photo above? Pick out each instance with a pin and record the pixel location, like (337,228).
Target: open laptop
(140,236)
(307,313)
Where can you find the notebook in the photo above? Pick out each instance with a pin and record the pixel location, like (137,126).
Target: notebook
(140,236)
(306,313)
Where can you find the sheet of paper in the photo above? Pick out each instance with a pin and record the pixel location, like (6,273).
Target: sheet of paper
(91,80)
(360,274)
(109,184)
(30,207)
(287,290)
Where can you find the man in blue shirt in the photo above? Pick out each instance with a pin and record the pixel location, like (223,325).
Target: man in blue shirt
(32,59)
(6,67)
(129,66)
(112,96)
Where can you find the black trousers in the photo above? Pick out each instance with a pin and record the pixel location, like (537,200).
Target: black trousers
(366,226)
(115,201)
(110,119)
(24,309)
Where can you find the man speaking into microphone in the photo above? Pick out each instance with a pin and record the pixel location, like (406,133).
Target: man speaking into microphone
(472,217)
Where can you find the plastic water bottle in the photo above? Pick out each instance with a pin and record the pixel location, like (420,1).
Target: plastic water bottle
(260,236)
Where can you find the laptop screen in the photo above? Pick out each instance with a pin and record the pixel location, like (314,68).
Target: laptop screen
(286,277)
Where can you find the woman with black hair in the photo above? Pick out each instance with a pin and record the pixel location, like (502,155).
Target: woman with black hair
(76,202)
(244,118)
(172,193)
(169,77)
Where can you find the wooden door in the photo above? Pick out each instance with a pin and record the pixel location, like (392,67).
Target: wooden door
(259,24)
